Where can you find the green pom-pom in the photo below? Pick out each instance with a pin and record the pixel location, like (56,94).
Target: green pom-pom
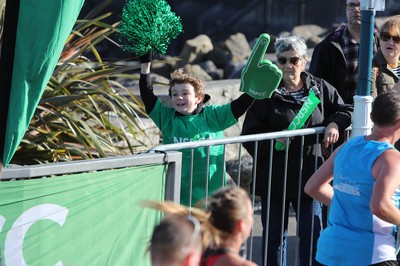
(148,24)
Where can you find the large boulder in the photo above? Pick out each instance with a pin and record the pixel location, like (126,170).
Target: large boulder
(233,50)
(312,34)
(195,50)
(238,46)
(197,71)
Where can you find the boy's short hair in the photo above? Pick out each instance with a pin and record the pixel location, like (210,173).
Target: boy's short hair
(179,77)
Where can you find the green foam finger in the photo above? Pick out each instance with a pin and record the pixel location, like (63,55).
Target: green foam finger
(260,77)
(257,54)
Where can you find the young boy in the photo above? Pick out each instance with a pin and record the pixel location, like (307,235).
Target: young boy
(189,120)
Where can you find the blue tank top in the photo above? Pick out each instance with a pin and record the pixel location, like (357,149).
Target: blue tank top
(354,235)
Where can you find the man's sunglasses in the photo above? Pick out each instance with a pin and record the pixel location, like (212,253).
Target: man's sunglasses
(292,60)
(386,37)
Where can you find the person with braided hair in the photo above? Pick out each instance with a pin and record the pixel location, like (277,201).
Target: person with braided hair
(231,213)
(226,220)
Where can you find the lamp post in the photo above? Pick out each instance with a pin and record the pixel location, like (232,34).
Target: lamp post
(363,100)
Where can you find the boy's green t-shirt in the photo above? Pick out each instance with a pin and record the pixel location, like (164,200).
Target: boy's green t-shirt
(208,124)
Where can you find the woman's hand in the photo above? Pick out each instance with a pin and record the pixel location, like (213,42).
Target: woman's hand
(284,141)
(331,134)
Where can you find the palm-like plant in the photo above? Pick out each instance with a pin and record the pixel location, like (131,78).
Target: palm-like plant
(85,112)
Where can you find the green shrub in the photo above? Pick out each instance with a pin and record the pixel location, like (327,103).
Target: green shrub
(85,112)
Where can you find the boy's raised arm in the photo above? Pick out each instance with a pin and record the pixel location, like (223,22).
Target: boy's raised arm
(145,86)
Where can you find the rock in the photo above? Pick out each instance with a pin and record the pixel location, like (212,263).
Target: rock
(284,34)
(233,50)
(246,172)
(212,69)
(195,50)
(238,47)
(234,70)
(308,32)
(313,41)
(197,71)
(158,79)
(271,47)
(163,69)
(220,57)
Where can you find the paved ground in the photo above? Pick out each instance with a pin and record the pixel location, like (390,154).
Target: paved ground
(257,233)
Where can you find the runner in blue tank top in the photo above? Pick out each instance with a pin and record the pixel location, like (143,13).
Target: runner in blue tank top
(364,194)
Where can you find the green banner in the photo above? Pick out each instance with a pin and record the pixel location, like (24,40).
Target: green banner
(43,28)
(80,219)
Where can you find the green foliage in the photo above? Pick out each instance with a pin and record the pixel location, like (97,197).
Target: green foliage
(85,112)
(148,24)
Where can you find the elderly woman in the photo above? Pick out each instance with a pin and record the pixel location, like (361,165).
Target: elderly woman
(275,114)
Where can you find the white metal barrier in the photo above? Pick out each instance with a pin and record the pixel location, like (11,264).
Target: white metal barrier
(249,249)
(173,159)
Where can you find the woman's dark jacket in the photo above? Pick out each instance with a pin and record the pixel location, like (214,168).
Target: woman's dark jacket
(275,114)
(383,78)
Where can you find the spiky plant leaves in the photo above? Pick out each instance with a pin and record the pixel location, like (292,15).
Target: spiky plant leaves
(85,112)
(148,25)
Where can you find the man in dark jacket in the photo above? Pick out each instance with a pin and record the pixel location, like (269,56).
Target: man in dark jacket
(335,59)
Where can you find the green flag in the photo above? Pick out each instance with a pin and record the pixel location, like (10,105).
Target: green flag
(39,30)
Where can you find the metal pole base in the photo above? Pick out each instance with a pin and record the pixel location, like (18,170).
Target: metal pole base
(362,123)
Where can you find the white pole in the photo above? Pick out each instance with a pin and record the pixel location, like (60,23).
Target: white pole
(362,123)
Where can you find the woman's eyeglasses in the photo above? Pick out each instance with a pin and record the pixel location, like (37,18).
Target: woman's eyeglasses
(384,36)
(292,60)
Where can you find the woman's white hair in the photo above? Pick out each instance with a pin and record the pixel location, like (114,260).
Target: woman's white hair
(294,42)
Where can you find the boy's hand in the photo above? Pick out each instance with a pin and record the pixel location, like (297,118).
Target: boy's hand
(145,62)
(147,57)
(260,77)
